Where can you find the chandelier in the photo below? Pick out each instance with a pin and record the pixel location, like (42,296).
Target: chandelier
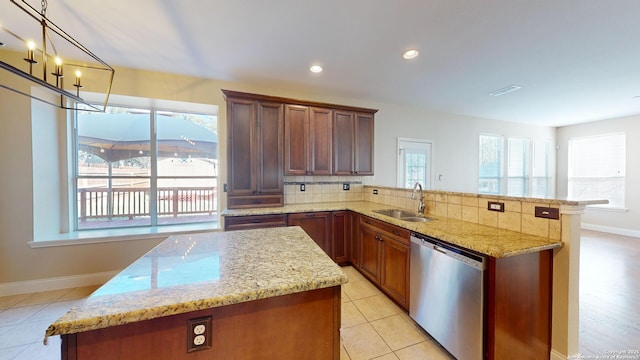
(38,55)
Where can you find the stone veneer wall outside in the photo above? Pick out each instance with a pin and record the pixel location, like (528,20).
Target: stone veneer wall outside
(518,215)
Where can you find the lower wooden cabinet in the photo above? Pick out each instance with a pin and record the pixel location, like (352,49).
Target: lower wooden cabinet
(384,257)
(317,225)
(341,227)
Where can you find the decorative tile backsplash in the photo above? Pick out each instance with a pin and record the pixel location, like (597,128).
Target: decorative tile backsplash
(321,189)
(517,216)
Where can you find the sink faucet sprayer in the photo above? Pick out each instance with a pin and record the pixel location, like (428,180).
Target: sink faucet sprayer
(413,196)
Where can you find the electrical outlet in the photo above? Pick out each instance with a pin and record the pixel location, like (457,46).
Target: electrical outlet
(375,191)
(495,206)
(346,187)
(302,187)
(199,334)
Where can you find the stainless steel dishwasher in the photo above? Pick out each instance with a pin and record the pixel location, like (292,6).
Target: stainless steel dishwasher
(446,295)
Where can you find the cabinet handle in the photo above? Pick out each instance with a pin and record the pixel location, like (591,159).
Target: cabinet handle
(310,215)
(396,232)
(367,222)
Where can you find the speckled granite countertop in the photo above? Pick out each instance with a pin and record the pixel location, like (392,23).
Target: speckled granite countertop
(486,240)
(200,271)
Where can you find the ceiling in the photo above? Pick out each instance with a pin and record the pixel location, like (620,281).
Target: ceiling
(576,60)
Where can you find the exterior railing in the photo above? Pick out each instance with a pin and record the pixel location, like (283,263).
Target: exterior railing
(101,203)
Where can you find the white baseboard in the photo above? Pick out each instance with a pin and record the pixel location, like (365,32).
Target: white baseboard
(611,230)
(64,282)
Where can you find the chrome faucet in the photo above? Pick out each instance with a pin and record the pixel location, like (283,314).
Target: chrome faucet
(421,205)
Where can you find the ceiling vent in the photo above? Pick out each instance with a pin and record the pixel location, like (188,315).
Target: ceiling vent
(506,90)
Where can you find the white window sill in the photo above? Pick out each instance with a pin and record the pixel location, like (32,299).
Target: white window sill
(607,209)
(111,235)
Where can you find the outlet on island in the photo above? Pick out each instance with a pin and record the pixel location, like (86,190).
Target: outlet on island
(199,333)
(346,187)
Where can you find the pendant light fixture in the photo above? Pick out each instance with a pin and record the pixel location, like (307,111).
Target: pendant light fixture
(34,49)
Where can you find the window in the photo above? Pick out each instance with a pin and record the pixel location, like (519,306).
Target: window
(527,171)
(144,167)
(491,168)
(597,168)
(414,161)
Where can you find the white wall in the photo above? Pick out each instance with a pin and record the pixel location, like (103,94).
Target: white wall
(455,143)
(626,223)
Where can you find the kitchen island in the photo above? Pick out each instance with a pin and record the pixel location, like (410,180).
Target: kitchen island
(256,294)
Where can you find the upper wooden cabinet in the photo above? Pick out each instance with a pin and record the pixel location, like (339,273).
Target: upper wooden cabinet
(353,143)
(308,140)
(255,146)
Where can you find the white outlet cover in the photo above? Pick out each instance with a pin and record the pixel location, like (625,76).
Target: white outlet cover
(199,329)
(198,340)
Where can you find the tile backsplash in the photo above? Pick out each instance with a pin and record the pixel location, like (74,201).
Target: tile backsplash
(322,189)
(518,215)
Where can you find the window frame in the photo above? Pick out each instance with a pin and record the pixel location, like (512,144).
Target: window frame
(151,106)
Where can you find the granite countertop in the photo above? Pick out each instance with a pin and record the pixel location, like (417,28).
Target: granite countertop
(200,271)
(483,239)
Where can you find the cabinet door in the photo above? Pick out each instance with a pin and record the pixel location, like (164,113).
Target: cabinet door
(394,279)
(270,149)
(370,253)
(316,225)
(240,147)
(341,239)
(320,137)
(364,144)
(296,128)
(343,143)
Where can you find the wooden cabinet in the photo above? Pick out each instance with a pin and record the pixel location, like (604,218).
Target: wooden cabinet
(317,225)
(254,222)
(353,143)
(384,257)
(255,152)
(341,239)
(308,140)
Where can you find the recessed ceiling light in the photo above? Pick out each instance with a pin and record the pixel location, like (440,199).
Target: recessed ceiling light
(315,69)
(505,90)
(410,54)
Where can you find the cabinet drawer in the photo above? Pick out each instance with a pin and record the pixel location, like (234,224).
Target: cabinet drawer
(254,222)
(244,202)
(399,233)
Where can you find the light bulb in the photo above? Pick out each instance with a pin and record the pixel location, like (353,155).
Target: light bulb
(78,74)
(58,61)
(31,45)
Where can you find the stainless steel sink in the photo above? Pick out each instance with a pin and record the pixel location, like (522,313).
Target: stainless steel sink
(415,219)
(402,215)
(395,213)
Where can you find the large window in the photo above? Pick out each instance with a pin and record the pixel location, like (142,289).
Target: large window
(522,170)
(597,168)
(144,167)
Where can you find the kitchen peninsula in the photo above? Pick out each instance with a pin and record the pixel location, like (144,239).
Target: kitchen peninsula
(256,294)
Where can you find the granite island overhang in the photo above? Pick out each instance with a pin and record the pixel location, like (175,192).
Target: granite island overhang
(277,282)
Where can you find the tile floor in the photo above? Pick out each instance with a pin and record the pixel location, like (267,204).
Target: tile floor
(373,327)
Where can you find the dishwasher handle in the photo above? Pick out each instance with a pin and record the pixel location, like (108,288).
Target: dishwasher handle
(471,259)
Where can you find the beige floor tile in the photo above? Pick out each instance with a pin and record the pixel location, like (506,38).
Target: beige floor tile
(43,297)
(427,350)
(353,274)
(397,332)
(343,353)
(54,311)
(9,301)
(13,352)
(42,352)
(22,334)
(375,307)
(79,293)
(391,356)
(351,316)
(362,342)
(18,315)
(343,295)
(360,290)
